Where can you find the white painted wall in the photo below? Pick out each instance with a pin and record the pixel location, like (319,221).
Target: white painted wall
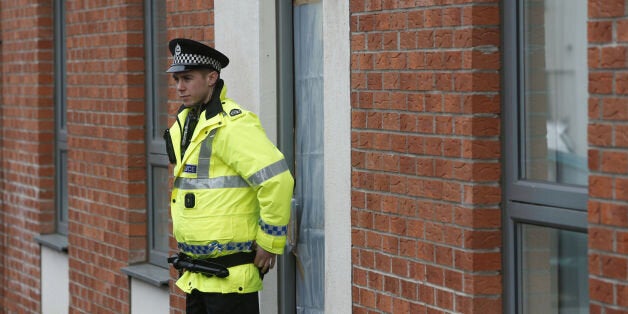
(55,297)
(337,159)
(149,299)
(246,33)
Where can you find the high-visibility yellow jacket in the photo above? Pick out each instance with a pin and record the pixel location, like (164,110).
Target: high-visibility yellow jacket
(232,188)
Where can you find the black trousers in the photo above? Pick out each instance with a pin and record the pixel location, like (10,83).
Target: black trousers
(217,303)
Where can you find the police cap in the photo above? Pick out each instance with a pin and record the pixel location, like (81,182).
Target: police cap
(189,54)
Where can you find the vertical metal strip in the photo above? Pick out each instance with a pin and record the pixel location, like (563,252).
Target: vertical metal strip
(285,138)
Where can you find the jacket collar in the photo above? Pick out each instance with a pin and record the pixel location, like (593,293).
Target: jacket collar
(214,106)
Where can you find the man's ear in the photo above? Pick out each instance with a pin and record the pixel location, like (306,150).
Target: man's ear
(212,78)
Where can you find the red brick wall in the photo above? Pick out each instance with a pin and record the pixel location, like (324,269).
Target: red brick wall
(26,117)
(608,156)
(194,20)
(425,95)
(106,151)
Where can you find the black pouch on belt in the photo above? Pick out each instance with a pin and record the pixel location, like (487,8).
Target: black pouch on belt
(169,147)
(183,262)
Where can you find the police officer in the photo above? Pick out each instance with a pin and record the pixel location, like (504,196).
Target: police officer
(231,196)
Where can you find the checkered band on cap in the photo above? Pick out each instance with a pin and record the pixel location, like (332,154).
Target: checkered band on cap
(194,59)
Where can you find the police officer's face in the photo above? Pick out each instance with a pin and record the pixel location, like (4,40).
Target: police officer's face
(195,86)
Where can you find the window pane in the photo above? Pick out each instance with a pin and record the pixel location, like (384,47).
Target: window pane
(160,211)
(159,51)
(554,271)
(61,150)
(157,120)
(555,95)
(308,110)
(62,189)
(60,65)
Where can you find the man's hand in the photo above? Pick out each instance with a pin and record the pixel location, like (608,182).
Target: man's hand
(264,260)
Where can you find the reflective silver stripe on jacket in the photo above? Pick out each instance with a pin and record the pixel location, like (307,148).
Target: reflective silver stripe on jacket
(202,171)
(210,183)
(268,172)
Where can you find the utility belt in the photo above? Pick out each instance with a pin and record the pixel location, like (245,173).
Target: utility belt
(217,266)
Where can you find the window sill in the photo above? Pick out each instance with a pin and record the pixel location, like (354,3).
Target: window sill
(155,275)
(149,273)
(55,241)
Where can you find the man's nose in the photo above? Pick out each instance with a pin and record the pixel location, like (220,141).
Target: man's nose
(180,86)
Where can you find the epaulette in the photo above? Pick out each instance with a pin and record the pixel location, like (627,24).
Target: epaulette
(235,112)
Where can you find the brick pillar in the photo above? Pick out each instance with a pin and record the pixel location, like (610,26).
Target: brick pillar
(26,153)
(608,156)
(106,151)
(426,217)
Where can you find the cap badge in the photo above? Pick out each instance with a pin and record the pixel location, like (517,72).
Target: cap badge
(177,50)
